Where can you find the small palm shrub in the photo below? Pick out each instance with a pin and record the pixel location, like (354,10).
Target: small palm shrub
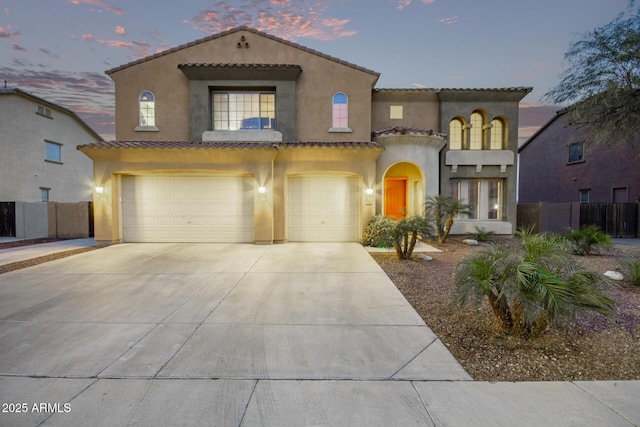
(444,209)
(531,284)
(483,235)
(588,239)
(377,233)
(407,231)
(631,270)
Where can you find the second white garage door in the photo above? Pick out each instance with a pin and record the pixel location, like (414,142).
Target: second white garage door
(323,208)
(187,208)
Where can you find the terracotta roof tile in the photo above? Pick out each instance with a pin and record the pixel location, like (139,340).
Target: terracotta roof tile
(224,145)
(257,66)
(403,130)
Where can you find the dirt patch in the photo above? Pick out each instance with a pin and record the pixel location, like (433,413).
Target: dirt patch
(594,348)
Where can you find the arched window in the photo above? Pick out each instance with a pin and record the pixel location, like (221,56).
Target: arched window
(476,133)
(147,102)
(340,111)
(497,135)
(456,134)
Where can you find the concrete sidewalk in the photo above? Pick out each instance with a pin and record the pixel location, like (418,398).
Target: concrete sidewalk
(22,253)
(217,334)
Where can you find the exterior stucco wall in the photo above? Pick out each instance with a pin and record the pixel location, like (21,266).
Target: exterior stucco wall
(313,98)
(23,169)
(420,108)
(109,170)
(299,161)
(546,175)
(499,104)
(421,151)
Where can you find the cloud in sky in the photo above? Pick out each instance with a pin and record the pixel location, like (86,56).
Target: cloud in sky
(5,33)
(450,20)
(139,48)
(120,30)
(283,18)
(404,3)
(16,46)
(100,4)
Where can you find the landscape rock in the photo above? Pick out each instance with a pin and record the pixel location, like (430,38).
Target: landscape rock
(471,242)
(614,275)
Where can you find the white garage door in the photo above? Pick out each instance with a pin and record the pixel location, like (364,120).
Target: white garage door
(187,209)
(324,208)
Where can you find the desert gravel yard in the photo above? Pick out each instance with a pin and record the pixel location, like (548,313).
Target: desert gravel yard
(595,348)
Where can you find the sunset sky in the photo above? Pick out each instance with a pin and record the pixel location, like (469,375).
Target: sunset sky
(59,49)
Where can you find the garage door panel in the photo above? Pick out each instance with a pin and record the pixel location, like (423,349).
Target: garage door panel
(323,208)
(187,209)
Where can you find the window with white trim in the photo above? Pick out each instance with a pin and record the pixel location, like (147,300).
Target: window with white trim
(244,110)
(147,104)
(340,112)
(485,197)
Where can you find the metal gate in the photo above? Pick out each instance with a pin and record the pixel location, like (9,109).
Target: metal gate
(7,219)
(614,219)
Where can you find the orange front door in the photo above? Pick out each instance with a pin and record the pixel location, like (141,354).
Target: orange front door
(395,197)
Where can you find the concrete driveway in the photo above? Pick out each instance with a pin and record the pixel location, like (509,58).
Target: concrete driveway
(214,334)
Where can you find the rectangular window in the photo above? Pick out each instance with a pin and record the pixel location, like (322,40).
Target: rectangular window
(53,152)
(244,110)
(44,194)
(395,112)
(576,152)
(483,196)
(494,196)
(584,195)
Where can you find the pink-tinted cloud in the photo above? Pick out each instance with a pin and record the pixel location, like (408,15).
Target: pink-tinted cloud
(450,20)
(284,18)
(16,46)
(404,3)
(120,30)
(5,33)
(100,4)
(139,48)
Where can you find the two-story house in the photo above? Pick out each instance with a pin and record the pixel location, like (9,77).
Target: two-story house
(559,164)
(246,137)
(39,163)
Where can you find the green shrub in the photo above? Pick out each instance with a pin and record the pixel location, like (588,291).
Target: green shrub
(483,235)
(588,239)
(631,270)
(407,231)
(531,284)
(378,232)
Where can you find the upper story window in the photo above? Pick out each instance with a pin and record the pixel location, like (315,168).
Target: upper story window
(476,133)
(147,107)
(46,112)
(456,134)
(497,135)
(395,112)
(576,152)
(244,110)
(53,152)
(340,112)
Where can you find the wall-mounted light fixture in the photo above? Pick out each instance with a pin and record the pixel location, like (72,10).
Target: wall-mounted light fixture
(99,189)
(262,190)
(368,200)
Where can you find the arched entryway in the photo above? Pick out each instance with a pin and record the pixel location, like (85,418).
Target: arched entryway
(403,193)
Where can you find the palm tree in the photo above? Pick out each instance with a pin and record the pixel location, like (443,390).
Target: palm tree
(445,208)
(406,232)
(531,284)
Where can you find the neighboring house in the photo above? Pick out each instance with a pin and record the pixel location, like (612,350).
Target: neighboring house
(246,137)
(38,156)
(558,164)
